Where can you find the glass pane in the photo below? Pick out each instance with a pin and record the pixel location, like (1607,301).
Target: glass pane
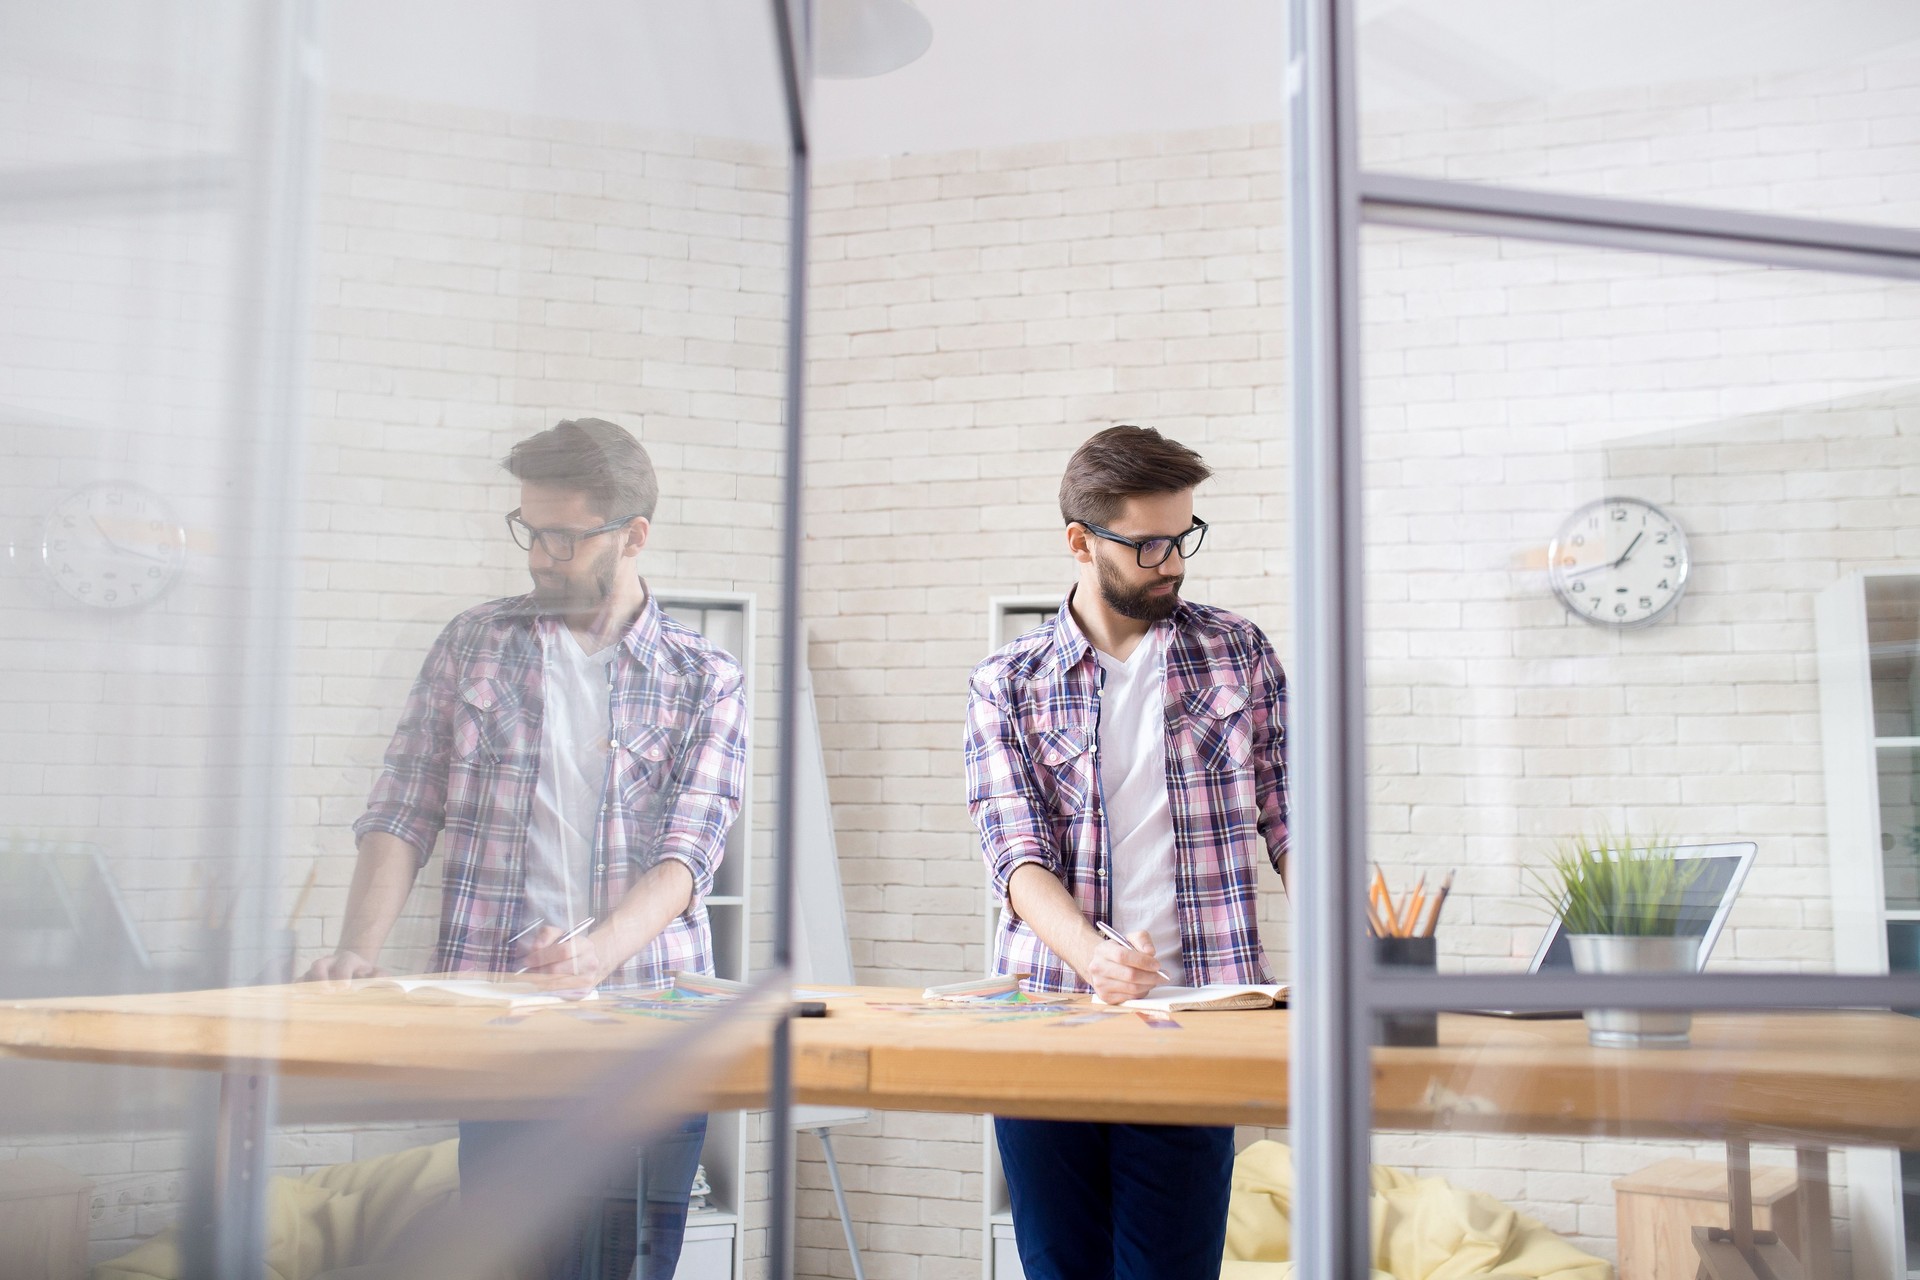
(1774,107)
(109,83)
(1521,1141)
(1635,529)
(287,702)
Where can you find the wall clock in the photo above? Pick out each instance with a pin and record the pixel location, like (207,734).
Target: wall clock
(113,545)
(1619,562)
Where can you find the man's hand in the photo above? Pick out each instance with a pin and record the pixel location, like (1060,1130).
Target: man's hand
(340,966)
(577,957)
(1118,974)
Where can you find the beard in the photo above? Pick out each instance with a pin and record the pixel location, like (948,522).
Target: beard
(1137,603)
(582,592)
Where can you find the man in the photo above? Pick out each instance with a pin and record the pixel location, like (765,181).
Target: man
(1125,765)
(584,756)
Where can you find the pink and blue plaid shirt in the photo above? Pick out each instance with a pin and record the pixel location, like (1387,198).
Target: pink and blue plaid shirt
(1033,784)
(466,755)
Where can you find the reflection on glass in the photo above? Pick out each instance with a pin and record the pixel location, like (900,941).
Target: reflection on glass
(204,683)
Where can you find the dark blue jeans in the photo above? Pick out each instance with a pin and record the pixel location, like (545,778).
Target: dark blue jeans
(667,1166)
(1117,1201)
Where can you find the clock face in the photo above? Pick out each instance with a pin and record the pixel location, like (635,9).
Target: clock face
(1619,562)
(113,545)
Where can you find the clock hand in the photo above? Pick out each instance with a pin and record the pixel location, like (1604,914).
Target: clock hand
(1629,551)
(120,546)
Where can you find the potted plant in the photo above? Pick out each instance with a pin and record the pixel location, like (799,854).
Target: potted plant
(1620,901)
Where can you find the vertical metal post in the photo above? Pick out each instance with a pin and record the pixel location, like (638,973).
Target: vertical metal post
(224,1230)
(1330,1053)
(793,31)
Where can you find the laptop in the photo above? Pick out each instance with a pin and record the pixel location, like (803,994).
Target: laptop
(1703,913)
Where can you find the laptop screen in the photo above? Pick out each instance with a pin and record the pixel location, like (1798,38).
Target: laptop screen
(1705,898)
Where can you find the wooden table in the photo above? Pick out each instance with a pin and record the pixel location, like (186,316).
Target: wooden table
(1805,1079)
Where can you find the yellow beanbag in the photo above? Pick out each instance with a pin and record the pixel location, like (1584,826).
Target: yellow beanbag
(1422,1229)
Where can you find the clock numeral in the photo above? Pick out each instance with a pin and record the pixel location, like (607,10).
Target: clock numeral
(1579,540)
(1663,585)
(111,595)
(1580,586)
(1646,602)
(1619,611)
(1619,513)
(153,573)
(1659,537)
(1670,561)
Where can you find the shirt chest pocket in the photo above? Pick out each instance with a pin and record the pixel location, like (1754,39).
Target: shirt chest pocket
(492,724)
(1216,728)
(643,762)
(1064,761)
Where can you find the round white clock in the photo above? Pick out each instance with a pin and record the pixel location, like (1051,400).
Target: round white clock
(1619,562)
(113,545)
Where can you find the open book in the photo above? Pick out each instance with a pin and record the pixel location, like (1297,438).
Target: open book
(484,991)
(1216,995)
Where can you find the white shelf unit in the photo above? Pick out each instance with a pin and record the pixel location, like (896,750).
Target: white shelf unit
(1868,631)
(715,1246)
(1009,617)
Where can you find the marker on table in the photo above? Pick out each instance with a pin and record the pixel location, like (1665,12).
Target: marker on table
(568,936)
(1109,931)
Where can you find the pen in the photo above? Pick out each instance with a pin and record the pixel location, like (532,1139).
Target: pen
(1121,938)
(537,922)
(568,936)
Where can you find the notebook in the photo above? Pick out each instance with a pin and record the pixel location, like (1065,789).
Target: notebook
(480,991)
(995,989)
(1703,913)
(1215,995)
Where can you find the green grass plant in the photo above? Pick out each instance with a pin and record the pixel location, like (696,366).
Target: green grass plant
(1617,885)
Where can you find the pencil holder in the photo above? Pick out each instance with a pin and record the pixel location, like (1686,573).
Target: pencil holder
(1406,1030)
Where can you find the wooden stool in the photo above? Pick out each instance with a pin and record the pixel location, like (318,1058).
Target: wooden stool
(1658,1207)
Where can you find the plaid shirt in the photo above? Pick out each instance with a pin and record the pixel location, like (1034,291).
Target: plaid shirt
(467,752)
(1033,784)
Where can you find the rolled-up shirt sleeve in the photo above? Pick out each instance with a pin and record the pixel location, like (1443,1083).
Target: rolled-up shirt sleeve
(708,781)
(1002,796)
(409,798)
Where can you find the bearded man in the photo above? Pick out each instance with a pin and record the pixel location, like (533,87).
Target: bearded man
(1125,767)
(581,756)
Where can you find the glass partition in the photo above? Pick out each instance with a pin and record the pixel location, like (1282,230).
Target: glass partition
(394,414)
(1755,108)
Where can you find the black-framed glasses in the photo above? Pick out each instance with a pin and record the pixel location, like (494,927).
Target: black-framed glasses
(1151,553)
(557,543)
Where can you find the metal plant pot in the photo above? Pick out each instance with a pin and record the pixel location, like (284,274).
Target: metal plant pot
(1635,1028)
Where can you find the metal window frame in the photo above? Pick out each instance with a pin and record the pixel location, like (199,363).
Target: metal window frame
(1337,987)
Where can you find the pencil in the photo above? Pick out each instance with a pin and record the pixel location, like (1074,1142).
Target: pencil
(1439,901)
(1412,912)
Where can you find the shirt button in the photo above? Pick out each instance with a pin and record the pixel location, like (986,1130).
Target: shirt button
(614,745)
(1102,873)
(601,867)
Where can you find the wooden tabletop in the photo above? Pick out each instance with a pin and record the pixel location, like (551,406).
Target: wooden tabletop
(1831,1076)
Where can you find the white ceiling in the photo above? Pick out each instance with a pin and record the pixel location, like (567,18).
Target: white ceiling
(1004,72)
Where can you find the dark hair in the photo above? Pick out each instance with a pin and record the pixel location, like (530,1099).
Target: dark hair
(1119,463)
(594,457)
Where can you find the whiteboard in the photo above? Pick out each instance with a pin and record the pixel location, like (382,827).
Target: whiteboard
(820,950)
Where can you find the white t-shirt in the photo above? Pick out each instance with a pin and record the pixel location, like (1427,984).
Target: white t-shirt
(1133,784)
(572,780)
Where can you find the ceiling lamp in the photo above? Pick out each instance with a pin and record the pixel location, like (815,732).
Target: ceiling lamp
(855,39)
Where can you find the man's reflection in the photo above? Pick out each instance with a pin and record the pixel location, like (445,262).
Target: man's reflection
(584,755)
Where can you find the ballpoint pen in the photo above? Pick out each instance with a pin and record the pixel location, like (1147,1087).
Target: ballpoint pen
(1109,931)
(568,936)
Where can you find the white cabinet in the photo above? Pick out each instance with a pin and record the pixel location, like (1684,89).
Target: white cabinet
(1868,629)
